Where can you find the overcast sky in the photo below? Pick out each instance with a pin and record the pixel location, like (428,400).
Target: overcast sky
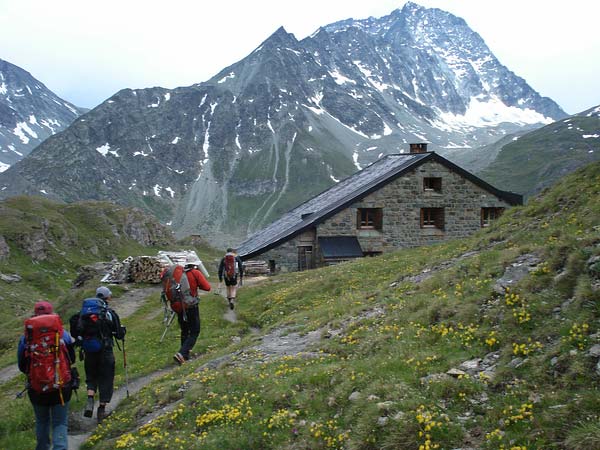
(86,51)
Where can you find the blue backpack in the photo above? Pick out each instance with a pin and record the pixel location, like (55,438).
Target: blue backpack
(94,329)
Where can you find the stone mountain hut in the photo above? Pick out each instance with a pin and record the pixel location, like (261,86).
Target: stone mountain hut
(401,200)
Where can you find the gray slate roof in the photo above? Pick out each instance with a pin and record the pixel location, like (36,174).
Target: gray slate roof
(347,191)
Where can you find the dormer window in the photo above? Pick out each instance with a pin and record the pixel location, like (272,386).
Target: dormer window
(369,219)
(432,184)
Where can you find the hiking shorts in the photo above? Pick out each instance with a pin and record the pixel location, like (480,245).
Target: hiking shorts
(230,281)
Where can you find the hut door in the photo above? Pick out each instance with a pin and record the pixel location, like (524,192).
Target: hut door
(305,257)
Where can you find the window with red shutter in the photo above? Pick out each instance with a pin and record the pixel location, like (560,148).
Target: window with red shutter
(432,218)
(369,219)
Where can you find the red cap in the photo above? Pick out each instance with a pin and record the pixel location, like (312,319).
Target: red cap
(41,308)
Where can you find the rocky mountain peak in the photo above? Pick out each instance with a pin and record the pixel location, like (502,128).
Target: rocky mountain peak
(29,113)
(279,39)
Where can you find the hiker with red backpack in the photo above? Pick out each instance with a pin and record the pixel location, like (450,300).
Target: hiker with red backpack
(45,355)
(96,328)
(180,287)
(230,268)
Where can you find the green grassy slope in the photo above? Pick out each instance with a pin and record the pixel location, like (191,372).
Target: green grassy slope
(390,328)
(539,158)
(375,378)
(48,242)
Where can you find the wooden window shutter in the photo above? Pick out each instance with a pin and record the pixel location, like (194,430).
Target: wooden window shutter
(439,219)
(422,215)
(378,218)
(358,218)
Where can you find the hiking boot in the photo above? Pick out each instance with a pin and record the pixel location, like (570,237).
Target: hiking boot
(231,305)
(101,414)
(89,407)
(179,359)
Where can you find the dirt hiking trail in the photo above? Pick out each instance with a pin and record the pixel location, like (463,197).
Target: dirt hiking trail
(80,427)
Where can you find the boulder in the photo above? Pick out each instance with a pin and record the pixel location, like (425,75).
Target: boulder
(471,365)
(14,278)
(594,351)
(516,272)
(456,372)
(356,395)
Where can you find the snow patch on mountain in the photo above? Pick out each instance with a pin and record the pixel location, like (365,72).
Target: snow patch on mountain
(490,113)
(226,77)
(105,150)
(355,160)
(375,80)
(340,79)
(157,188)
(595,111)
(20,129)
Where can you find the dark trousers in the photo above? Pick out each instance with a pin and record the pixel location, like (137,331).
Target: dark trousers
(190,329)
(100,373)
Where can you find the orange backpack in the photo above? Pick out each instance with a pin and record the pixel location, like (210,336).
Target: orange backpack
(176,287)
(230,266)
(49,365)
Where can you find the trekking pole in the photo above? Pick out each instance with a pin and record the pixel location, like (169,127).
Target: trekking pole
(125,367)
(169,322)
(20,394)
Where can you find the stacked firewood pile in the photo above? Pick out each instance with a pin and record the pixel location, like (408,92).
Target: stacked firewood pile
(119,272)
(146,269)
(256,268)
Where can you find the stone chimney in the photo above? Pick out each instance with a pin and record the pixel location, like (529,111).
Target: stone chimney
(420,147)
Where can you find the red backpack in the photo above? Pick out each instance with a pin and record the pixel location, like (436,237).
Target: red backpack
(230,266)
(49,365)
(176,287)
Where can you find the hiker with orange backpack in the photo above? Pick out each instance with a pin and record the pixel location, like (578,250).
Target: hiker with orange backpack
(230,268)
(180,287)
(45,355)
